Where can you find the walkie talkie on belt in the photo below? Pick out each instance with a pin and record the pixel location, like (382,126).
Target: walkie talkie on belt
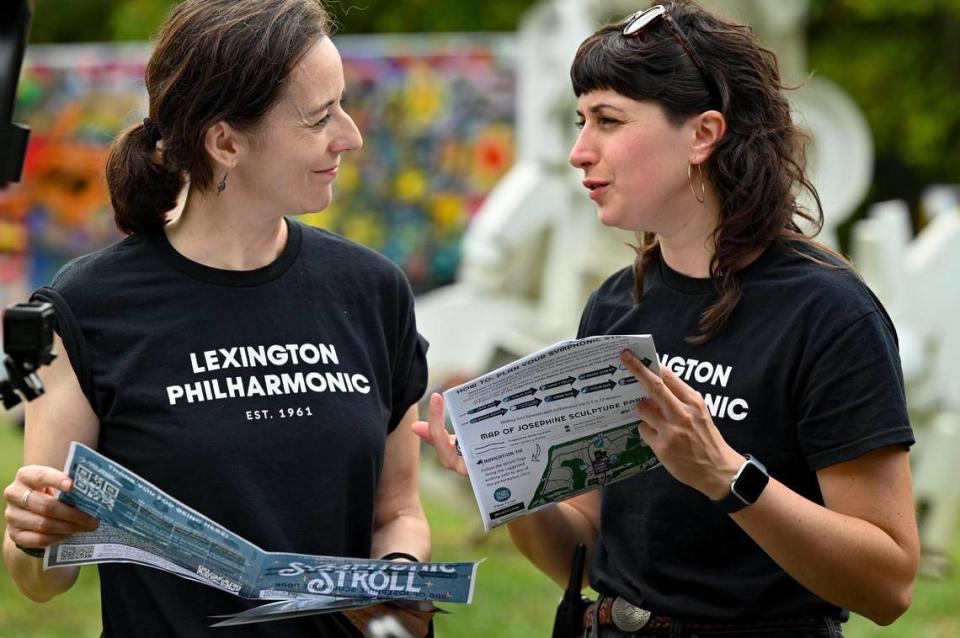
(569,619)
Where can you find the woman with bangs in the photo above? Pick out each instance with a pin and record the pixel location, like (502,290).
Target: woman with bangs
(783,497)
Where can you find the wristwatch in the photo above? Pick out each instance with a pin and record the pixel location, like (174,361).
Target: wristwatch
(746,487)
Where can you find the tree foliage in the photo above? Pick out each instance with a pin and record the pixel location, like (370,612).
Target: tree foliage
(414,16)
(900,61)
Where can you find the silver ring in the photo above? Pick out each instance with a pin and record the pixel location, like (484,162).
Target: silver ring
(25,498)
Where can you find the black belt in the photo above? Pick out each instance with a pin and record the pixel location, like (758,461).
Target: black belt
(630,619)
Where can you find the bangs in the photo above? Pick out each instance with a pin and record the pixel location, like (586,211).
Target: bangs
(603,62)
(651,67)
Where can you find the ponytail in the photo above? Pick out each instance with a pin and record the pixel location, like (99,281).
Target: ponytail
(142,188)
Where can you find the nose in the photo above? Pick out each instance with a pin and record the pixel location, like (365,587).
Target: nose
(348,138)
(583,154)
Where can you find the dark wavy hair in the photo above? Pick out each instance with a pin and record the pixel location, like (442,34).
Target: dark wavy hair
(215,60)
(757,169)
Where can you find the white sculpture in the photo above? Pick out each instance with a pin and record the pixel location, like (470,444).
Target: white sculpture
(917,282)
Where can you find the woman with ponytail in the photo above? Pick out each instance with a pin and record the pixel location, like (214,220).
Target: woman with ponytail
(783,496)
(237,359)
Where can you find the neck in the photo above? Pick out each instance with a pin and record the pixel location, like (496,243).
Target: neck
(689,247)
(217,232)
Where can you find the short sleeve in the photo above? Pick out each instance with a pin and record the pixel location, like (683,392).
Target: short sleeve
(409,380)
(69,330)
(851,397)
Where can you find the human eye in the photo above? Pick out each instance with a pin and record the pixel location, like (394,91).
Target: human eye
(580,123)
(607,121)
(322,121)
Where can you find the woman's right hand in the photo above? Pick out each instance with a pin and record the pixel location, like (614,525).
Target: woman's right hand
(35,517)
(434,432)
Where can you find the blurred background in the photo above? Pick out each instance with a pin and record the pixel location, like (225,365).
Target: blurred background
(467,116)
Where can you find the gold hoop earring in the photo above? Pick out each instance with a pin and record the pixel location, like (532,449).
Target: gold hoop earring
(703,184)
(222,186)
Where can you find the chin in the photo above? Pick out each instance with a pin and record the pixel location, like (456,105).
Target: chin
(608,218)
(318,204)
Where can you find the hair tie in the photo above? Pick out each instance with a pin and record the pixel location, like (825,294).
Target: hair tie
(152,130)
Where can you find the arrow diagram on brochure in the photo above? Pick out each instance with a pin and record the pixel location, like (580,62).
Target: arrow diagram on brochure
(490,415)
(484,407)
(520,395)
(597,373)
(526,404)
(596,387)
(557,384)
(568,394)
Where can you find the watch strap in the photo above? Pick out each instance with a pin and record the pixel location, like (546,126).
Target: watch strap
(735,501)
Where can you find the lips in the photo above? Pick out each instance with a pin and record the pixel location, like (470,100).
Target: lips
(329,171)
(597,187)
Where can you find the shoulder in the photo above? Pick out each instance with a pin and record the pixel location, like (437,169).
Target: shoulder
(617,288)
(355,267)
(607,302)
(86,274)
(815,283)
(319,243)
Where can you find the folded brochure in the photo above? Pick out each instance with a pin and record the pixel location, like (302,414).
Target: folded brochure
(554,424)
(141,524)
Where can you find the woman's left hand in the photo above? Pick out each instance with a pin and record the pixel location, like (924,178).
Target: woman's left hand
(679,429)
(417,623)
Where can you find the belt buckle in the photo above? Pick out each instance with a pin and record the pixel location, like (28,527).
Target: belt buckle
(627,616)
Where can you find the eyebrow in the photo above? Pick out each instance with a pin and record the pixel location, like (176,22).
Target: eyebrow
(318,110)
(596,108)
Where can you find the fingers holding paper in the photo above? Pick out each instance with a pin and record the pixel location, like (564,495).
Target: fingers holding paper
(434,432)
(677,426)
(34,517)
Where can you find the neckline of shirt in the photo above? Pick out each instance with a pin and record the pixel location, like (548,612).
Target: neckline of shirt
(223,277)
(702,285)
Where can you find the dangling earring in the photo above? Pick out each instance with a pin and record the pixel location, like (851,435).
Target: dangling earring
(222,186)
(703,185)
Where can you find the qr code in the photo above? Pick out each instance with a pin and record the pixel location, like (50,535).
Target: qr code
(75,552)
(95,487)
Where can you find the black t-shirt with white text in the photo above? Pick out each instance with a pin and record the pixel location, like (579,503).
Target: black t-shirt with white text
(262,399)
(804,374)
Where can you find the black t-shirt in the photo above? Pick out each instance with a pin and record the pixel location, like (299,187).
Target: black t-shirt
(262,399)
(804,374)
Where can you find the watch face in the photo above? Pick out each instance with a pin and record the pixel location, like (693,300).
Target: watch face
(750,483)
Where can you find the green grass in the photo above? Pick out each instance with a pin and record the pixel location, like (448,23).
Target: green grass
(512,599)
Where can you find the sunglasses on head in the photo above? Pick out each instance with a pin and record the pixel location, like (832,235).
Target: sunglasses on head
(634,24)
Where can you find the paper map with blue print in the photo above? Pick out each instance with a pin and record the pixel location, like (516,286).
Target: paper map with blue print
(554,424)
(141,524)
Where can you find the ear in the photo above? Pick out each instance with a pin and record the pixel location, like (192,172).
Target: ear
(708,129)
(224,144)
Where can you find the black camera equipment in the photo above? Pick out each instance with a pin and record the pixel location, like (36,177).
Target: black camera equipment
(27,327)
(14,27)
(27,345)
(568,622)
